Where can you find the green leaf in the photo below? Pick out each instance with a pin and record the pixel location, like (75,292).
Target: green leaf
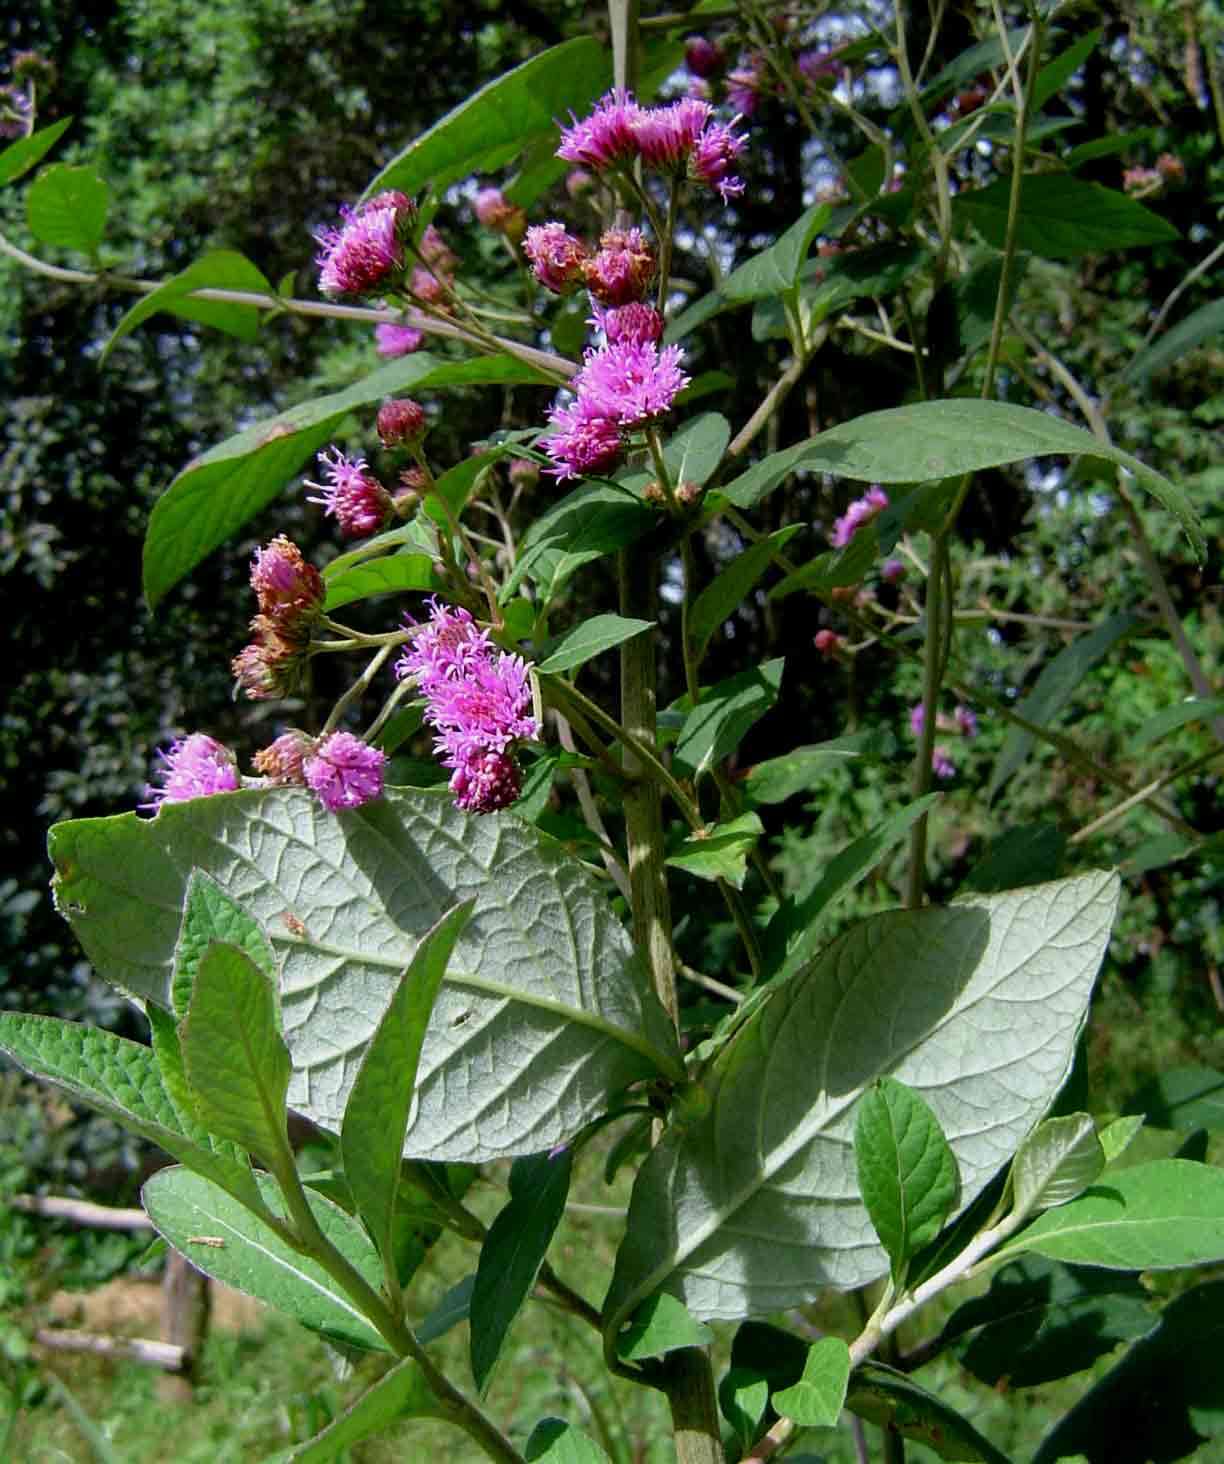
(1193,709)
(66,207)
(776,269)
(1041,1321)
(457,485)
(252,1257)
(389,574)
(816,1400)
(1057,73)
(926,441)
(217,493)
(754,1207)
(892,1401)
(906,1171)
(724,594)
(1058,1160)
(743,1397)
(168,1051)
(454,1308)
(1153,1217)
(210,915)
(780,778)
(503,118)
(694,453)
(1060,679)
(836,568)
(660,1325)
(1183,1098)
(720,851)
(588,523)
(1106,147)
(1165,1398)
(599,633)
(1116,1137)
(793,935)
(20,156)
(119,1079)
(376,1115)
(720,720)
(1204,324)
(222,269)
(1020,856)
(513,1252)
(236,1060)
(545,1011)
(400,1393)
(553,1441)
(1062,216)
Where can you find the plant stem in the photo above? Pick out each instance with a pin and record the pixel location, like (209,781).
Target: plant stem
(357,690)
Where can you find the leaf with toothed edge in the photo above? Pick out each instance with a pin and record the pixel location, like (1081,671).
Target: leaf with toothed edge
(545,1009)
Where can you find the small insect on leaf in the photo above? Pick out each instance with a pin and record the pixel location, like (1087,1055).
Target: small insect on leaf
(214,1240)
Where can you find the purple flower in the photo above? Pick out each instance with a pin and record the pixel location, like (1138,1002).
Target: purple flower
(942,765)
(368,247)
(194,767)
(745,86)
(703,57)
(892,570)
(557,257)
(860,512)
(290,591)
(622,270)
(495,212)
(631,382)
(344,771)
(666,136)
(355,499)
(583,440)
(917,719)
(714,156)
(478,700)
(400,421)
(397,340)
(640,324)
(966,721)
(818,65)
(605,138)
(16,112)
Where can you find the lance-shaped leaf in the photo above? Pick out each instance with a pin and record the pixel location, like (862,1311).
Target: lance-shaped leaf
(1204,324)
(586,524)
(927,441)
(388,574)
(222,269)
(724,594)
(1183,1098)
(401,1393)
(890,1400)
(720,851)
(513,1252)
(545,1010)
(210,915)
(1058,1160)
(20,156)
(693,453)
(816,1400)
(376,1117)
(599,633)
(121,1080)
(659,1326)
(794,772)
(224,1240)
(1152,1217)
(755,1207)
(236,1059)
(217,493)
(906,1171)
(1062,216)
(721,719)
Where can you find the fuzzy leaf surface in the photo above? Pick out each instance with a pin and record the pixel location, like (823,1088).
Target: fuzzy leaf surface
(545,1009)
(977,1007)
(1058,1160)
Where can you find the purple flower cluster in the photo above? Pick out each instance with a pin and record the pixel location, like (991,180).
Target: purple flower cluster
(860,512)
(368,248)
(681,139)
(344,771)
(351,494)
(193,767)
(477,700)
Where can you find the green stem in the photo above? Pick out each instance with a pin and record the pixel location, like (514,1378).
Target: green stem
(933,660)
(357,690)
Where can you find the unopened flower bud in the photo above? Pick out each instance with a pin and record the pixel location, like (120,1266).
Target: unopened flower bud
(653,493)
(579,183)
(621,272)
(688,492)
(401,421)
(392,341)
(524,473)
(32,66)
(1170,167)
(827,642)
(892,570)
(497,214)
(703,57)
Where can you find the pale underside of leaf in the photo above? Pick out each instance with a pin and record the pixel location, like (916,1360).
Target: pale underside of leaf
(976,1007)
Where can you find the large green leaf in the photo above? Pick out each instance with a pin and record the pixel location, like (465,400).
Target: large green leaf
(387,574)
(816,1400)
(222,269)
(244,1252)
(20,156)
(503,119)
(659,1326)
(1060,679)
(755,1207)
(776,269)
(1062,216)
(121,1080)
(592,637)
(720,720)
(780,778)
(693,453)
(217,493)
(927,441)
(1152,1217)
(403,1392)
(210,915)
(1183,1098)
(545,1008)
(1162,1401)
(724,594)
(588,523)
(1058,1160)
(553,1441)
(66,206)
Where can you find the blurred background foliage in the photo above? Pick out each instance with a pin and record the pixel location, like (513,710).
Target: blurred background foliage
(244,124)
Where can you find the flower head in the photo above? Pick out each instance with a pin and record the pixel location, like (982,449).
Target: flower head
(444,648)
(746,85)
(966,721)
(434,250)
(351,494)
(274,664)
(714,156)
(584,440)
(703,57)
(429,285)
(941,764)
(283,762)
(622,270)
(666,136)
(606,138)
(828,643)
(579,183)
(557,257)
(486,782)
(917,719)
(289,590)
(397,340)
(892,570)
(640,324)
(359,257)
(631,382)
(401,421)
(818,65)
(496,213)
(860,512)
(16,112)
(524,472)
(194,767)
(344,771)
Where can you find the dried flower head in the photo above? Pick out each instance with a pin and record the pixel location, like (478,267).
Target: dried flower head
(289,590)
(557,257)
(274,664)
(621,272)
(283,762)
